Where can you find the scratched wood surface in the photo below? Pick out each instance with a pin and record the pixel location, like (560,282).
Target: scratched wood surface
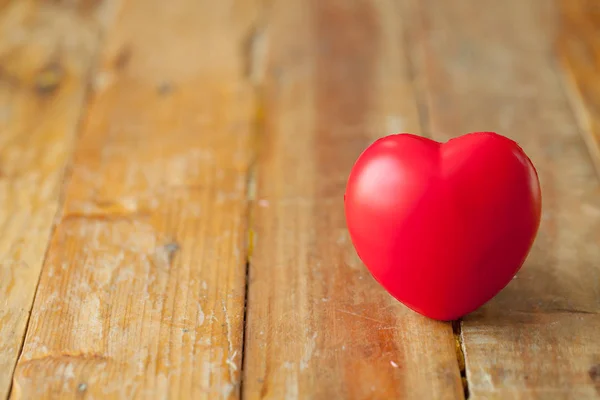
(143,287)
(172,175)
(46,52)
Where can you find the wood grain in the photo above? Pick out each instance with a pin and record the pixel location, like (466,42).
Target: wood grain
(142,292)
(491,68)
(318,326)
(578,46)
(46,53)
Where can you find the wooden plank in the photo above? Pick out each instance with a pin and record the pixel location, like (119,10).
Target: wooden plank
(579,51)
(46,53)
(318,326)
(142,292)
(489,66)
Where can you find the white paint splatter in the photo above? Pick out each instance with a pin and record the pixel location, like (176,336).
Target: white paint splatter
(69,373)
(102,80)
(199,315)
(287,365)
(129,203)
(309,348)
(291,386)
(227,389)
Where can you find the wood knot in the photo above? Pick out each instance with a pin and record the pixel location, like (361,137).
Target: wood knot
(595,372)
(165,88)
(123,58)
(49,78)
(171,248)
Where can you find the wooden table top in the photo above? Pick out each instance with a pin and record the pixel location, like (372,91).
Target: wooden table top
(171,183)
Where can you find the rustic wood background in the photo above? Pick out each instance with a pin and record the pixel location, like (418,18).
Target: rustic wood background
(171,183)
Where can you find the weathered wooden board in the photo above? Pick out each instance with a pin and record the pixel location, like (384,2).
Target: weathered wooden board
(318,326)
(46,53)
(142,292)
(491,67)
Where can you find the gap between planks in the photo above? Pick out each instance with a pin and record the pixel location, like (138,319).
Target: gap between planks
(461,355)
(255,51)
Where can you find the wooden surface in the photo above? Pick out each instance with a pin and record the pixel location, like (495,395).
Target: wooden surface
(172,178)
(143,287)
(46,54)
(318,326)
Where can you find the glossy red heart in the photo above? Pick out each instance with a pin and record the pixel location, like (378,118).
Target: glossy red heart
(443,226)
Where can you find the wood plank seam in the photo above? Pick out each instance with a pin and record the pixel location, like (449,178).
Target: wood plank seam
(254,52)
(461,355)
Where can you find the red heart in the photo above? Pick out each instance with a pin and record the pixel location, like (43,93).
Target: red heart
(443,227)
